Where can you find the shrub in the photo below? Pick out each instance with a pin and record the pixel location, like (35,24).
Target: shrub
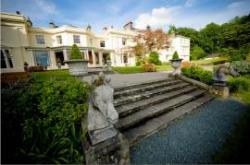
(49,114)
(186,64)
(238,84)
(148,67)
(198,73)
(154,58)
(75,52)
(175,56)
(242,67)
(197,53)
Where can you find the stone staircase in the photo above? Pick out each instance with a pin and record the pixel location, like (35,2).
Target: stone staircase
(146,108)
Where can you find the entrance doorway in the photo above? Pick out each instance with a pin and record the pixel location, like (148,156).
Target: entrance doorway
(59,58)
(106,57)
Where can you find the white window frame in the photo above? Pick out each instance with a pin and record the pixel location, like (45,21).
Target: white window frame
(7,58)
(59,39)
(76,39)
(40,39)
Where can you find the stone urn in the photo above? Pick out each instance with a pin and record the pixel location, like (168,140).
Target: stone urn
(77,67)
(176,64)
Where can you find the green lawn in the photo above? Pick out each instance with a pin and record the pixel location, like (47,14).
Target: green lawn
(139,69)
(128,69)
(54,74)
(212,61)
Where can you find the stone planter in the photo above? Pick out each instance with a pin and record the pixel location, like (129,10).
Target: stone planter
(176,64)
(78,67)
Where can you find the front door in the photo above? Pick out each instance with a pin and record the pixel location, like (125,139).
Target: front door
(106,57)
(59,58)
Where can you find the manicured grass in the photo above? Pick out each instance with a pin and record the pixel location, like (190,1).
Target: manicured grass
(212,61)
(55,74)
(164,67)
(139,69)
(128,70)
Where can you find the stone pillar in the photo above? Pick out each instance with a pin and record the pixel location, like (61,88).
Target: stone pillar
(93,56)
(65,55)
(53,59)
(86,57)
(101,58)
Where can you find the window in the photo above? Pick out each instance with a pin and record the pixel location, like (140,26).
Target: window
(123,41)
(125,59)
(102,43)
(59,39)
(76,39)
(42,58)
(6,61)
(3,62)
(40,39)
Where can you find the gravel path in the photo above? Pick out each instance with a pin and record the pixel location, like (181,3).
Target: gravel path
(121,80)
(192,139)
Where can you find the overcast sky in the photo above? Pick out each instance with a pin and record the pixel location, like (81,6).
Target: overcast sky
(156,13)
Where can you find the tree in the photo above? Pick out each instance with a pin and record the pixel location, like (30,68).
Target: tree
(75,52)
(175,56)
(197,53)
(213,34)
(150,40)
(154,58)
(172,29)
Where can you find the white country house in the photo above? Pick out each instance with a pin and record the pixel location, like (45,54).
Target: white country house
(21,42)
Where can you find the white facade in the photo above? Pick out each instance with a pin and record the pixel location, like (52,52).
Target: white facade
(20,43)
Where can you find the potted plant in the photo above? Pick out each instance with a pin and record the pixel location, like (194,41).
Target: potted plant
(77,65)
(176,63)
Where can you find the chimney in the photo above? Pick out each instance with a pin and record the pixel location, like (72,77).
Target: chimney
(128,26)
(52,25)
(148,28)
(88,28)
(105,28)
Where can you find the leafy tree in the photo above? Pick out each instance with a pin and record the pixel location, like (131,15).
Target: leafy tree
(213,34)
(152,39)
(197,53)
(154,58)
(172,29)
(75,52)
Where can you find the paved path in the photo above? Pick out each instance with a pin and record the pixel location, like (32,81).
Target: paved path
(120,80)
(192,139)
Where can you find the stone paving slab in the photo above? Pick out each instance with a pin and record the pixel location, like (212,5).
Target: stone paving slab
(121,80)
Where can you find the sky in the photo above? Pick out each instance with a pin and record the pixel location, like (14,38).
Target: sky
(101,13)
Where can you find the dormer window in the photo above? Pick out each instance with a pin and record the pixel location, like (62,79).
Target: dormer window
(102,44)
(40,39)
(76,39)
(123,41)
(59,39)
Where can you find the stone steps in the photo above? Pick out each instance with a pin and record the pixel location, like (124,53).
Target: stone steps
(142,88)
(154,125)
(147,94)
(156,110)
(123,88)
(125,110)
(145,108)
